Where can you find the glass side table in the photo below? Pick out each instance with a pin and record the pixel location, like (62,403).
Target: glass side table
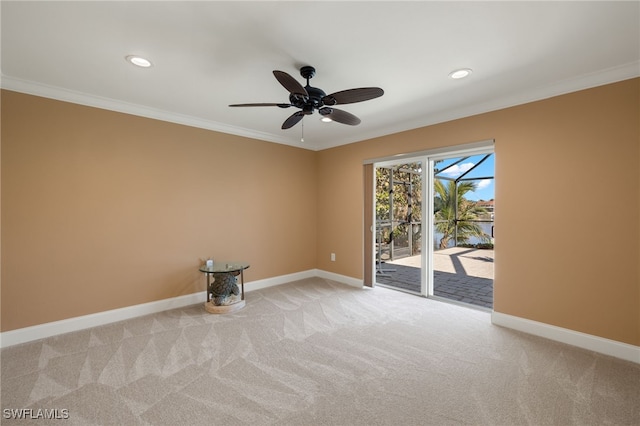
(225,292)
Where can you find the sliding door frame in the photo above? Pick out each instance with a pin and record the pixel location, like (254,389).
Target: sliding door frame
(427,158)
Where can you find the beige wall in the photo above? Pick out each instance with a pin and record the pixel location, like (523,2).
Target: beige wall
(571,162)
(102,210)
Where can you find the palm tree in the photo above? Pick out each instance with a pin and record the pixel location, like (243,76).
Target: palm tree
(447,222)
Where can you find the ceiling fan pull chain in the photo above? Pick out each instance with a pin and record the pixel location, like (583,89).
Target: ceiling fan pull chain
(302,137)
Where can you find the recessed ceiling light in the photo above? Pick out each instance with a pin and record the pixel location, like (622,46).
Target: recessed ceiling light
(139,61)
(461,73)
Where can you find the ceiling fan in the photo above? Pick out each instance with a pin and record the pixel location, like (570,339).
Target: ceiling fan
(309,99)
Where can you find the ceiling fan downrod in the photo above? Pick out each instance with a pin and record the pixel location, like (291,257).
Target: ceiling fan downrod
(314,100)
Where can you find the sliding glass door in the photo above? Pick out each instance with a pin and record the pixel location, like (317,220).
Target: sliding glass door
(432,225)
(462,228)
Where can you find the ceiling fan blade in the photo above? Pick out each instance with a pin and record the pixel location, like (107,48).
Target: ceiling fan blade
(261,105)
(353,95)
(340,116)
(292,120)
(290,83)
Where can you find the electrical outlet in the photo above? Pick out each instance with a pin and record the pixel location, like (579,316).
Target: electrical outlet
(333,257)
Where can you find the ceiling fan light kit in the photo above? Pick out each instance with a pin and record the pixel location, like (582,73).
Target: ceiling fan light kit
(309,99)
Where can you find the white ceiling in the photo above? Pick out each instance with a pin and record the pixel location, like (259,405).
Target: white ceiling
(207,55)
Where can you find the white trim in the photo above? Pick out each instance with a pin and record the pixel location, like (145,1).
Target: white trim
(534,94)
(570,85)
(41,331)
(75,97)
(371,252)
(281,279)
(427,281)
(354,282)
(473,148)
(575,338)
(427,159)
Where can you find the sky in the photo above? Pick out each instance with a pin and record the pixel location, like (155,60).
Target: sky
(485,189)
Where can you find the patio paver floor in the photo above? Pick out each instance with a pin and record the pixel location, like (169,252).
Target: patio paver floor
(460,274)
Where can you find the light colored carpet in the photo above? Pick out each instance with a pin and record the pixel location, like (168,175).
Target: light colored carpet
(316,352)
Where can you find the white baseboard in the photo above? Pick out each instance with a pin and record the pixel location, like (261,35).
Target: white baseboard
(575,338)
(354,282)
(41,331)
(281,279)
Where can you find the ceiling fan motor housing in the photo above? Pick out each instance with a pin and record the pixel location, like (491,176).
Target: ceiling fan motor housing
(314,99)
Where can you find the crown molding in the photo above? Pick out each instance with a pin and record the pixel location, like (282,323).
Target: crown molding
(574,84)
(71,96)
